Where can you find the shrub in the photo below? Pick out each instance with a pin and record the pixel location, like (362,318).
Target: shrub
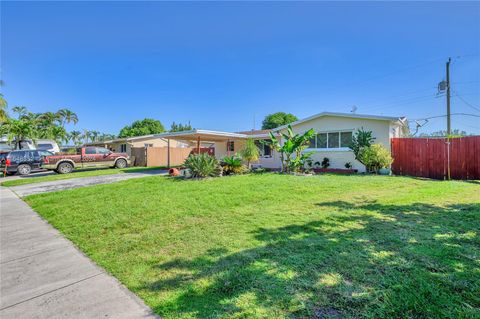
(360,140)
(348,165)
(233,165)
(375,157)
(203,165)
(325,162)
(250,153)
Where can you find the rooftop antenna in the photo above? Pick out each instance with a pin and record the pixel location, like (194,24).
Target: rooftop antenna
(354,109)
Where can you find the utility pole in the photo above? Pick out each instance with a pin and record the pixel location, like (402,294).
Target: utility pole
(449,130)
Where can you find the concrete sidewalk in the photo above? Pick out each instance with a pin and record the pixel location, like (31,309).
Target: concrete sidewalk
(62,184)
(42,275)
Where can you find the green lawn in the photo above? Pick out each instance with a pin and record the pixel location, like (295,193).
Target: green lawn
(280,246)
(74,174)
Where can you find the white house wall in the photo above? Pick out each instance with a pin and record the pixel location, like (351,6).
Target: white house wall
(338,158)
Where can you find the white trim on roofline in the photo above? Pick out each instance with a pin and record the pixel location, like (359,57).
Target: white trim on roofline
(351,115)
(203,132)
(123,139)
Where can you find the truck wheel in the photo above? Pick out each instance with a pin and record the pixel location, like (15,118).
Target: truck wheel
(24,169)
(65,168)
(121,163)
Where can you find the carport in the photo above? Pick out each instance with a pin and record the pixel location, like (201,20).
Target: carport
(197,137)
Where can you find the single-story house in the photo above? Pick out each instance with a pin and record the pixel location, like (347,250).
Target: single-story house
(334,134)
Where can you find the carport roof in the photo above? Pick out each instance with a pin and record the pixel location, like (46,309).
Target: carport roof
(204,135)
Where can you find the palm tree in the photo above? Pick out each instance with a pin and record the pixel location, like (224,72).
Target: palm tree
(94,135)
(49,118)
(75,137)
(17,129)
(20,110)
(86,135)
(3,109)
(67,116)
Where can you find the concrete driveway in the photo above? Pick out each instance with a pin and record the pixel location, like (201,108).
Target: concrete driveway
(52,186)
(43,275)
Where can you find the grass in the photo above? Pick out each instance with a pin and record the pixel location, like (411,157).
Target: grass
(75,174)
(277,246)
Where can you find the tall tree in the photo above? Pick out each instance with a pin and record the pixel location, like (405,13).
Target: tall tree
(17,129)
(75,137)
(86,135)
(21,111)
(3,109)
(180,127)
(67,116)
(144,127)
(275,120)
(94,135)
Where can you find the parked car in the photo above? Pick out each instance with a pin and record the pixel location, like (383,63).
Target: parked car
(29,144)
(22,162)
(47,145)
(86,157)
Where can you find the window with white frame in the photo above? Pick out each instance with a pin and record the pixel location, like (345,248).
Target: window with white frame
(148,145)
(332,140)
(264,147)
(230,146)
(123,148)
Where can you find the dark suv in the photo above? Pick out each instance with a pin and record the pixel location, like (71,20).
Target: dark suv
(22,162)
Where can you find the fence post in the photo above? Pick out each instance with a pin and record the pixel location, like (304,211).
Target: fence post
(448,158)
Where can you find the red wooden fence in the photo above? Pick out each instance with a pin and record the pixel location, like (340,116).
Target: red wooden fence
(433,157)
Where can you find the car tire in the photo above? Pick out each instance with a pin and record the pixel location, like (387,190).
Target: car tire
(121,163)
(64,168)
(24,169)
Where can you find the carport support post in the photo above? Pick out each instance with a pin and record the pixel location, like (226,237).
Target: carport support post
(198,145)
(168,153)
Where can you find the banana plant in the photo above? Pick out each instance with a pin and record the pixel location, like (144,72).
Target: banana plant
(292,144)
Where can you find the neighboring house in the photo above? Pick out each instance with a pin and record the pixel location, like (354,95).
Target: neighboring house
(334,134)
(124,145)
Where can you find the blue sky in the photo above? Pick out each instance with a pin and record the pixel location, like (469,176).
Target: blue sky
(220,65)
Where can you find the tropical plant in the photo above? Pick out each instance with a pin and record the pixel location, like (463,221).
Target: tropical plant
(144,127)
(94,135)
(17,129)
(3,109)
(299,162)
(325,162)
(277,119)
(86,136)
(203,165)
(250,152)
(360,140)
(233,165)
(67,116)
(75,137)
(375,157)
(21,111)
(293,144)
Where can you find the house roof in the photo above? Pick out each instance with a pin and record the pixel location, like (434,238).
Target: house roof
(255,132)
(123,139)
(349,115)
(204,135)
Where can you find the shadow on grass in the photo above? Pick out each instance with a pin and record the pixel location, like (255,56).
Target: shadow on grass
(415,261)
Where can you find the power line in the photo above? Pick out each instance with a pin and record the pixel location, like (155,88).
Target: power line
(466,102)
(439,116)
